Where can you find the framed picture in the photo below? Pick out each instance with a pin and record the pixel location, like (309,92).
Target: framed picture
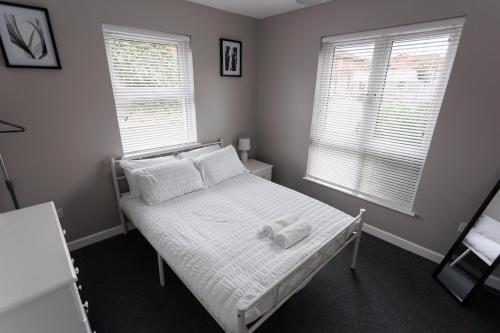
(26,37)
(230,57)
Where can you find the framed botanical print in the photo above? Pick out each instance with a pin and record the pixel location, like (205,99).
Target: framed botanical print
(26,37)
(230,57)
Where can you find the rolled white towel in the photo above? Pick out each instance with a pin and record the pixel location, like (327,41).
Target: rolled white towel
(292,234)
(275,226)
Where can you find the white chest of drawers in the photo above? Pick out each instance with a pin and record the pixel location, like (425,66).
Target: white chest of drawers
(38,292)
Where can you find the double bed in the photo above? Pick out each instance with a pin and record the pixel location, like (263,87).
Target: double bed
(210,238)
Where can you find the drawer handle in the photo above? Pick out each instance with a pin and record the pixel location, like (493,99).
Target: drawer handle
(86,306)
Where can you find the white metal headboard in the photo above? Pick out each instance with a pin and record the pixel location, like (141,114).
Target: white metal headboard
(120,181)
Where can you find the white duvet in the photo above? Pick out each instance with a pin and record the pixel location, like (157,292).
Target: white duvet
(211,239)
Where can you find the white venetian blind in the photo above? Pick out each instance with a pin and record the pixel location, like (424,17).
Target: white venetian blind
(378,96)
(152,79)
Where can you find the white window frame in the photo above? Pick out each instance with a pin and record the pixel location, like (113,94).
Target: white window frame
(388,34)
(160,37)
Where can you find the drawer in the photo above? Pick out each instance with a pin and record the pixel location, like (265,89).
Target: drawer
(264,173)
(78,302)
(86,326)
(54,312)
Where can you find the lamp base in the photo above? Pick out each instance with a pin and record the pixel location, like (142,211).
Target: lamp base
(244,156)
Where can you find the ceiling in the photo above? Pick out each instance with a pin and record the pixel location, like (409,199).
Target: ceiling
(254,8)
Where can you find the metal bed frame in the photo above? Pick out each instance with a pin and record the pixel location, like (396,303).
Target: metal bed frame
(281,289)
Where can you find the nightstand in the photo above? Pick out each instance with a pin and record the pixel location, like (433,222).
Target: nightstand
(259,169)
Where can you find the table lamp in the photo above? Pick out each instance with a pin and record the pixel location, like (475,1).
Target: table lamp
(244,146)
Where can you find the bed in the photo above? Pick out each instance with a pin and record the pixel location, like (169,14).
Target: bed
(211,240)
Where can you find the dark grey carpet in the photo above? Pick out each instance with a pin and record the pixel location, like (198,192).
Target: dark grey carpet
(391,291)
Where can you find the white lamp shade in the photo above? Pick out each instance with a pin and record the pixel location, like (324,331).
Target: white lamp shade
(244,143)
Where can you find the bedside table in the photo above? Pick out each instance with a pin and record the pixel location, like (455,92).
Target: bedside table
(259,168)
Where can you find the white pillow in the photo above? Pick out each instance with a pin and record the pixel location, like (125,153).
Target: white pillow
(195,153)
(220,165)
(166,181)
(129,166)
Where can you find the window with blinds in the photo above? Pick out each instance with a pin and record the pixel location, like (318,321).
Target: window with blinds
(378,96)
(152,80)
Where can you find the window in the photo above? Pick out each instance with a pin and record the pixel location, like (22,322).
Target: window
(378,95)
(152,81)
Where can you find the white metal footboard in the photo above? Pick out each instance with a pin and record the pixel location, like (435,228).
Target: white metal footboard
(276,289)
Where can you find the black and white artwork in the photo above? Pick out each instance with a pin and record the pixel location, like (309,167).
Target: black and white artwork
(230,57)
(26,37)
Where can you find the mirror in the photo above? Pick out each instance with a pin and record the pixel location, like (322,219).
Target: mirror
(476,252)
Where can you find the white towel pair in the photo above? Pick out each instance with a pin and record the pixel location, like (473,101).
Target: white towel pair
(287,231)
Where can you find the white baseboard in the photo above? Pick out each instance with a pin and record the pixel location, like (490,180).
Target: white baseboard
(97,237)
(403,243)
(493,281)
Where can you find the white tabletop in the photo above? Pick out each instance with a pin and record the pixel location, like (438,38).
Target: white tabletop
(34,259)
(254,165)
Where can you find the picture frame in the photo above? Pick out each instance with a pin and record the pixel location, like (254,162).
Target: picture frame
(231,57)
(26,37)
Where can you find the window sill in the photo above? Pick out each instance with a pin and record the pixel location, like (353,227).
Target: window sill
(376,201)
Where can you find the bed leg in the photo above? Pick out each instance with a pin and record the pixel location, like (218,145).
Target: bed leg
(124,223)
(161,270)
(358,239)
(242,326)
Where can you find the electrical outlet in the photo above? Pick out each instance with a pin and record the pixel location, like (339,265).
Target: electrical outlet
(60,212)
(461,226)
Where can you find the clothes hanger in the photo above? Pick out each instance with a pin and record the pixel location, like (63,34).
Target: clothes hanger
(8,181)
(17,128)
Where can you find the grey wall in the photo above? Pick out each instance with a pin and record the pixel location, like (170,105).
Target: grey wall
(72,126)
(70,115)
(464,160)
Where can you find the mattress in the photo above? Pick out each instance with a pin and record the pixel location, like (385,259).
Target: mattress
(211,238)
